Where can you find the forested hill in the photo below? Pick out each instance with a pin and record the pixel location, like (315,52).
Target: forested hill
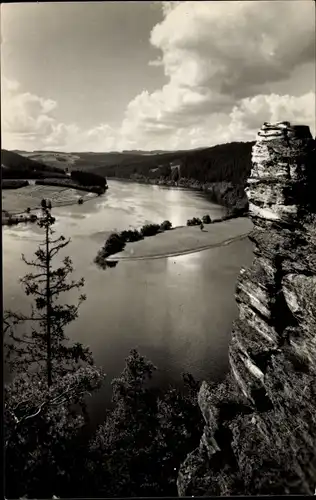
(14,165)
(226,165)
(221,171)
(225,162)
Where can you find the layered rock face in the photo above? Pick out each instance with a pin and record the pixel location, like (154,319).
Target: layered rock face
(260,423)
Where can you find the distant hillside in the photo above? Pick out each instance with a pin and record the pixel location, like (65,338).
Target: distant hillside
(225,162)
(226,165)
(14,165)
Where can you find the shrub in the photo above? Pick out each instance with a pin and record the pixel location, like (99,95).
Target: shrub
(88,178)
(136,235)
(206,219)
(150,229)
(166,225)
(235,212)
(131,235)
(114,244)
(194,222)
(124,235)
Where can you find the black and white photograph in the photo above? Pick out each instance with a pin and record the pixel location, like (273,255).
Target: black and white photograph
(158,180)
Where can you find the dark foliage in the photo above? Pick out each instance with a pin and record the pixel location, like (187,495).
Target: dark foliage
(13,184)
(206,219)
(225,162)
(166,225)
(131,235)
(139,448)
(114,244)
(73,185)
(137,451)
(16,162)
(43,433)
(88,178)
(116,241)
(15,174)
(150,229)
(194,222)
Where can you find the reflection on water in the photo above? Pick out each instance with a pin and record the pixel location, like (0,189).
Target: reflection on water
(177,311)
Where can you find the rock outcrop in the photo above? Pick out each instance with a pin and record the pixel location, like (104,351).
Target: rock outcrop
(260,423)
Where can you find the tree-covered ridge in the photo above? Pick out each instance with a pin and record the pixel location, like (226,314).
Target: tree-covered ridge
(12,163)
(221,171)
(17,166)
(225,162)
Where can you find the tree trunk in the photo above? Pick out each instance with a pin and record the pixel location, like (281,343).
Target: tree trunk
(48,332)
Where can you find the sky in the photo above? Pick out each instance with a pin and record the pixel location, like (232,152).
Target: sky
(113,76)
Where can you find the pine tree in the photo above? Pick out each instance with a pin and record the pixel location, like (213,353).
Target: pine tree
(43,347)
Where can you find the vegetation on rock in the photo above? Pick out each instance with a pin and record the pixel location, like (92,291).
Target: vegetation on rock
(260,425)
(137,451)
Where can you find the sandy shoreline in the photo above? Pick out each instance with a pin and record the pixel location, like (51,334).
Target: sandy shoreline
(186,239)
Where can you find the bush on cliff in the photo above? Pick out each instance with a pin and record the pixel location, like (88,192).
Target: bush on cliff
(139,448)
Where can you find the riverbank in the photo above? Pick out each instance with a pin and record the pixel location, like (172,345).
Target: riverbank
(226,194)
(185,239)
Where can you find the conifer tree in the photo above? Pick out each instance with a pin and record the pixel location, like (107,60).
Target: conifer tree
(43,346)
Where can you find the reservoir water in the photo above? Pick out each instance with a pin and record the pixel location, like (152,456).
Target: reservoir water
(177,311)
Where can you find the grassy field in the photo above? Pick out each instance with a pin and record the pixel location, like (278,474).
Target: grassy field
(18,200)
(182,240)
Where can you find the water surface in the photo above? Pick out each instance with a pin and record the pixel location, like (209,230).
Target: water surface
(177,311)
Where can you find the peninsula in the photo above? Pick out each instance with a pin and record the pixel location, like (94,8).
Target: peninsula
(185,239)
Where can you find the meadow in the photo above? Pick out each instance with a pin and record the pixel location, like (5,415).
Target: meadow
(18,200)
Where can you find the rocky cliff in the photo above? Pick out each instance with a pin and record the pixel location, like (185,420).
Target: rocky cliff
(260,422)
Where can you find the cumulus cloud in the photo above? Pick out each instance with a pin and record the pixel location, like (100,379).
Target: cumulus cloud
(217,55)
(28,122)
(221,60)
(248,116)
(24,116)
